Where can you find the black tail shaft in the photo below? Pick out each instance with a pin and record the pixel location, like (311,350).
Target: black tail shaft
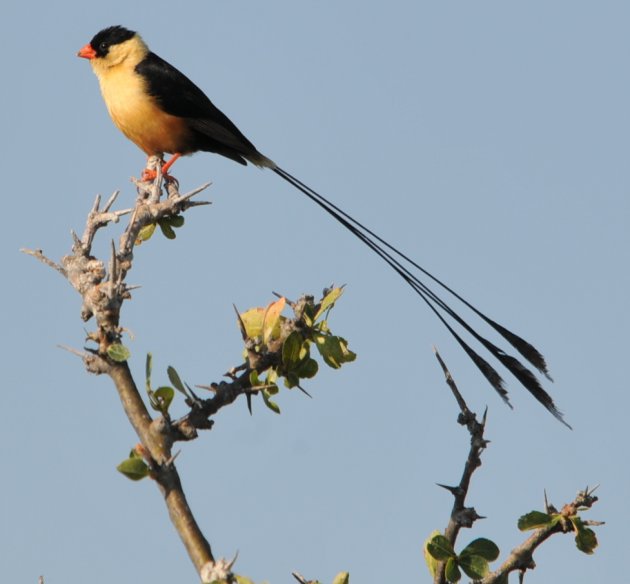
(395,258)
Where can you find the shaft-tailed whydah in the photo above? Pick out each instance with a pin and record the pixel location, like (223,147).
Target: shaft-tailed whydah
(163,112)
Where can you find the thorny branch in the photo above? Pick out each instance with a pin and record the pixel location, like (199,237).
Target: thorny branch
(226,392)
(521,558)
(462,516)
(103,290)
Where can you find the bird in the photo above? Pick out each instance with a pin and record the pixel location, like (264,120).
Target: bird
(163,112)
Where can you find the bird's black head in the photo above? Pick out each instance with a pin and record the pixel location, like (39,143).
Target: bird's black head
(113,35)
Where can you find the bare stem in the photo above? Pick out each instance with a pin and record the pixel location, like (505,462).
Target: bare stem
(164,472)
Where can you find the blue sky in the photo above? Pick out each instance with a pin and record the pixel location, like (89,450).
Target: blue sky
(489,140)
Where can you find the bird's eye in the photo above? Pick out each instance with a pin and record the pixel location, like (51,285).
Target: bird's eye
(103,46)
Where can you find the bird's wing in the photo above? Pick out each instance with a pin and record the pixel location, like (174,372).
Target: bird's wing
(179,96)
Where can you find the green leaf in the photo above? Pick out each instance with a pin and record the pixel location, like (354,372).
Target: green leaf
(451,571)
(348,355)
(164,396)
(273,406)
(118,352)
(307,318)
(305,350)
(328,301)
(342,578)
(166,228)
(307,369)
(291,380)
(176,380)
(254,381)
(291,348)
(148,370)
(242,579)
(133,468)
(146,233)
(440,548)
(481,547)
(177,221)
(272,377)
(585,540)
(534,520)
(253,322)
(329,348)
(431,562)
(334,350)
(475,566)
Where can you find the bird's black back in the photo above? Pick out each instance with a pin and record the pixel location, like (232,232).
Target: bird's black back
(179,96)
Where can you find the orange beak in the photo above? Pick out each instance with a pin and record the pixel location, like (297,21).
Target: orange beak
(87,52)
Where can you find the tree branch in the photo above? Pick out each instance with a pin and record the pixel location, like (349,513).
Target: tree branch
(521,558)
(103,290)
(462,516)
(552,522)
(102,286)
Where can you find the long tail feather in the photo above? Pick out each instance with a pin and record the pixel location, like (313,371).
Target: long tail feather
(440,308)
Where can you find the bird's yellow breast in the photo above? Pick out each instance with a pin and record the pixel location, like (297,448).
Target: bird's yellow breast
(136,113)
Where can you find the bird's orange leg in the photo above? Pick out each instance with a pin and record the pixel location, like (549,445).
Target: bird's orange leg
(149,175)
(170,163)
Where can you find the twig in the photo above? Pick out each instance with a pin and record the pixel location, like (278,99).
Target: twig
(39,255)
(301,579)
(521,558)
(76,352)
(226,392)
(462,516)
(98,219)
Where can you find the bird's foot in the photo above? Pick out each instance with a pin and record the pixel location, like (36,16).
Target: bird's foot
(149,175)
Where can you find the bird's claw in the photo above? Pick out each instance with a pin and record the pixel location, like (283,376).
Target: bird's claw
(149,175)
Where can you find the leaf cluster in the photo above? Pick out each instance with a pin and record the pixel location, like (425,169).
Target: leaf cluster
(474,560)
(279,348)
(167,225)
(585,538)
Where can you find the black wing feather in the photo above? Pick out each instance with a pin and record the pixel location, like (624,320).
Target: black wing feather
(179,96)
